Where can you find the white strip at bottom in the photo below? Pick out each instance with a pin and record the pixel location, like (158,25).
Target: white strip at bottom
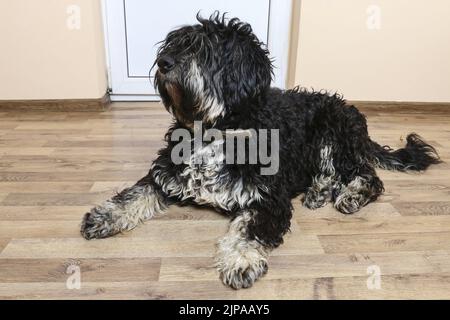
(122,97)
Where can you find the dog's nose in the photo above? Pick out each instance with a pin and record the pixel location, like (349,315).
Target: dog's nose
(166,63)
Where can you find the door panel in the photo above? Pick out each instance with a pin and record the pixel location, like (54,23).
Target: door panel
(134,28)
(147,23)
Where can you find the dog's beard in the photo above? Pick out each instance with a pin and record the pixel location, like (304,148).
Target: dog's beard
(174,92)
(175,100)
(182,110)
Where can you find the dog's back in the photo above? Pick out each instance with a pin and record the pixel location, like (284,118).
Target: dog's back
(321,132)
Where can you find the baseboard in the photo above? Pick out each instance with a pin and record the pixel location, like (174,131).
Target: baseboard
(100,104)
(394,106)
(103,104)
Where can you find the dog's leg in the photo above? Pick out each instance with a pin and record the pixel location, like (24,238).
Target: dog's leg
(125,210)
(239,260)
(324,183)
(363,188)
(242,254)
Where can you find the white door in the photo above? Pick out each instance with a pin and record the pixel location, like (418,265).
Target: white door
(134,27)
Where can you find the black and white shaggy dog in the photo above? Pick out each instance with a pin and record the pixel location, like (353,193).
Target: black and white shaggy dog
(219,73)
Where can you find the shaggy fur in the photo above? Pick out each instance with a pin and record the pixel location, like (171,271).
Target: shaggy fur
(219,73)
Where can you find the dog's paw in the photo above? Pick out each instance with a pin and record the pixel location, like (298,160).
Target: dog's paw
(243,274)
(315,200)
(240,268)
(98,223)
(349,203)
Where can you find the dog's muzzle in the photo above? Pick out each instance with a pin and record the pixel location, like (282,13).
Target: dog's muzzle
(165,64)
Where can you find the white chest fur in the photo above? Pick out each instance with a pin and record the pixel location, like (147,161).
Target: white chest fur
(207,182)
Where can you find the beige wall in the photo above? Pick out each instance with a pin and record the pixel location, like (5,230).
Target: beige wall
(407,59)
(41,58)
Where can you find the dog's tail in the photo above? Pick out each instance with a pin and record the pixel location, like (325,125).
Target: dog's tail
(417,155)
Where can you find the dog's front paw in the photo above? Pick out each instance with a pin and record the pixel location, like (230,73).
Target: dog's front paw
(242,273)
(240,268)
(98,223)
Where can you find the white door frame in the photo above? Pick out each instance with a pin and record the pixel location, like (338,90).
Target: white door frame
(279,40)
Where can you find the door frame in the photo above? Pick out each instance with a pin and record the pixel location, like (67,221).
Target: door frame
(119,82)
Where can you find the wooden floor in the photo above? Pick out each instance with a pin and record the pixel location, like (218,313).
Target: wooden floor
(55,166)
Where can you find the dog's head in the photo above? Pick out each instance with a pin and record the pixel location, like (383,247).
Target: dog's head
(209,69)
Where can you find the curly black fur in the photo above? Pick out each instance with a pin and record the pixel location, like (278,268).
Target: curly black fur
(218,72)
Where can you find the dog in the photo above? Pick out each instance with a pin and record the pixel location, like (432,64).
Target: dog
(218,73)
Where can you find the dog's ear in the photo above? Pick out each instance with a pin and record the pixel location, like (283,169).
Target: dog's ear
(248,68)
